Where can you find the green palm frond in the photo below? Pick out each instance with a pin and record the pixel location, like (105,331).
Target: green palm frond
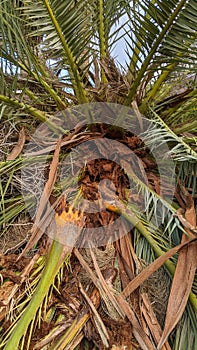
(22,299)
(107,14)
(41,290)
(187,175)
(20,45)
(34,75)
(179,150)
(60,25)
(184,337)
(162,37)
(181,38)
(182,117)
(65,35)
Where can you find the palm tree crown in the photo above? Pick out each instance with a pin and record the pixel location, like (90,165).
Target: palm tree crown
(56,59)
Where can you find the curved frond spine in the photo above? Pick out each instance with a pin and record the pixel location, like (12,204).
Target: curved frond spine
(41,116)
(102,43)
(75,76)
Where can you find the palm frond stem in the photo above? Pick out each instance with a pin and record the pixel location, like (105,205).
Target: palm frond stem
(148,59)
(75,76)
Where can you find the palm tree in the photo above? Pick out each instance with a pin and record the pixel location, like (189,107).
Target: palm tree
(57,55)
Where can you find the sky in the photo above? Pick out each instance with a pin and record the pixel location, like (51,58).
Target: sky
(119,51)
